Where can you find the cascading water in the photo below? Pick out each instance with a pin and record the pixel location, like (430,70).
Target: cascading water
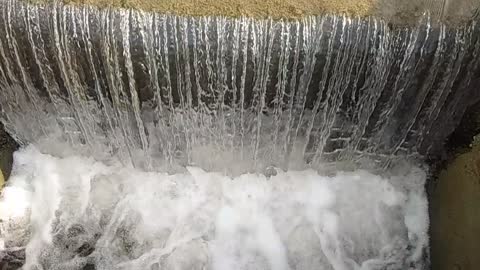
(153,88)
(161,92)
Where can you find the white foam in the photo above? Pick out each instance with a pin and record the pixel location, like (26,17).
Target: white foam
(132,219)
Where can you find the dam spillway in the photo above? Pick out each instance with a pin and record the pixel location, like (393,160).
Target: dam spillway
(155,90)
(105,102)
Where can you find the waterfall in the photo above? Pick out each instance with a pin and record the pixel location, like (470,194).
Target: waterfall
(107,101)
(157,90)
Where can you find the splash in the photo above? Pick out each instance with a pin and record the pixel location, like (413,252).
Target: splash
(82,212)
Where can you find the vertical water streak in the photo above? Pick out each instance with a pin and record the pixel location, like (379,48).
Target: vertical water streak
(164,52)
(282,81)
(152,89)
(246,24)
(292,91)
(452,70)
(125,26)
(70,78)
(311,45)
(233,118)
(262,86)
(423,91)
(407,69)
(114,81)
(323,83)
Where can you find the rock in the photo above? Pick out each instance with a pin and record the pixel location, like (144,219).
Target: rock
(2,179)
(12,259)
(89,266)
(7,147)
(270,171)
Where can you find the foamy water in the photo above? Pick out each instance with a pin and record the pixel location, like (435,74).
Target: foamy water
(81,212)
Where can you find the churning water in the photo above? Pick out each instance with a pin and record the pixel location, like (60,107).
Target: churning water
(84,214)
(111,100)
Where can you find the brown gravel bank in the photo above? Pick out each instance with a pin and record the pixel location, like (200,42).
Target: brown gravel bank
(395,11)
(236,8)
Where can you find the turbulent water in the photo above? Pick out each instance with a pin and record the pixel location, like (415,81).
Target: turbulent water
(88,215)
(155,91)
(104,102)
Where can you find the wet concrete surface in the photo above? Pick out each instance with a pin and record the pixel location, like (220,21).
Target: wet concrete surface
(455,215)
(455,200)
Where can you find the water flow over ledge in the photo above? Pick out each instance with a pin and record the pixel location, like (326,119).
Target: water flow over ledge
(158,90)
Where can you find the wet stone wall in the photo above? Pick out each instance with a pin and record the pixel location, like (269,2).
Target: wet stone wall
(158,90)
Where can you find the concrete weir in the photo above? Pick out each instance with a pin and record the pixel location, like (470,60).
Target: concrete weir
(316,89)
(253,85)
